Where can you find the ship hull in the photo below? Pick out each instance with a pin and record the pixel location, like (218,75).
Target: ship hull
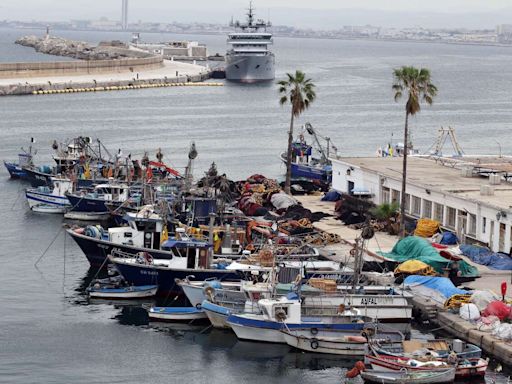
(250,68)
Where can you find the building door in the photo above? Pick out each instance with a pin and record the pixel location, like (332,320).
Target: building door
(502,238)
(350,188)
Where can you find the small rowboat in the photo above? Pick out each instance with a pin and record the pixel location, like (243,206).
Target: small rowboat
(463,369)
(176,314)
(439,348)
(130,292)
(409,377)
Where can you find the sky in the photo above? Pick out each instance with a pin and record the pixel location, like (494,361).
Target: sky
(326,14)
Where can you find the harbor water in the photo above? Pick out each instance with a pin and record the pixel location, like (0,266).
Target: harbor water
(49,333)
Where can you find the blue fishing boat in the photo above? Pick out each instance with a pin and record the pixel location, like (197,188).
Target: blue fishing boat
(304,163)
(25,158)
(142,269)
(145,233)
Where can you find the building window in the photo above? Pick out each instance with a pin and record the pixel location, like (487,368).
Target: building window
(385,195)
(438,212)
(451,214)
(395,196)
(416,206)
(407,203)
(427,209)
(472,225)
(484,225)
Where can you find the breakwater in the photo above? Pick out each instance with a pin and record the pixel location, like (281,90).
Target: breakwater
(58,68)
(91,85)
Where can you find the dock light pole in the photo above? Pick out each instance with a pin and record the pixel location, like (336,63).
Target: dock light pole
(418,86)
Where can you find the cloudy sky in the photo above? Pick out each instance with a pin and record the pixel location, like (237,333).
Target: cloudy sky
(302,13)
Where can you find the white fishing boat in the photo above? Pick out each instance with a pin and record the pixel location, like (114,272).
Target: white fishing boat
(50,200)
(339,342)
(408,377)
(175,314)
(285,313)
(129,292)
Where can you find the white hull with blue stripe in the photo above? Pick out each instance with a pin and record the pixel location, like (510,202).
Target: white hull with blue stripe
(286,313)
(42,199)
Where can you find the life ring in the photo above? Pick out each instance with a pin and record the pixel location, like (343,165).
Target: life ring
(314,344)
(314,331)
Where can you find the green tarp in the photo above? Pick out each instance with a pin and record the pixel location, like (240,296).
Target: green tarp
(417,248)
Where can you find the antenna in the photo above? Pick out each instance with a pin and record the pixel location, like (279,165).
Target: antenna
(250,15)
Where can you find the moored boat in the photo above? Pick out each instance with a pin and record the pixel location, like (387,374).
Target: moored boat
(175,314)
(408,377)
(463,368)
(49,200)
(338,342)
(128,292)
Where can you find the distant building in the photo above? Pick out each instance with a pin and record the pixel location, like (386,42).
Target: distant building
(124,15)
(470,196)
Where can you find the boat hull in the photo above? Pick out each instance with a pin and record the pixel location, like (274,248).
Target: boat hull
(142,274)
(476,368)
(44,202)
(247,328)
(87,204)
(250,68)
(124,293)
(15,171)
(175,314)
(385,377)
(96,250)
(217,314)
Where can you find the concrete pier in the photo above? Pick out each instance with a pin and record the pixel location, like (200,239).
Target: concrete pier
(171,72)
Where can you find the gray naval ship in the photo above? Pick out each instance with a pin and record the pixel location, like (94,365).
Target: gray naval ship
(248,58)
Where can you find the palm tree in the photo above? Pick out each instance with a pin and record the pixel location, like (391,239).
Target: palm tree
(418,86)
(299,92)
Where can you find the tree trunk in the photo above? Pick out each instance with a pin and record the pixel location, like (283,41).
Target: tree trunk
(404,176)
(287,183)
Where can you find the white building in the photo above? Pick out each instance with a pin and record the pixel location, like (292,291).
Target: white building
(469,196)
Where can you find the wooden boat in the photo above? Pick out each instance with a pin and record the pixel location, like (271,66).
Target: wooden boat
(129,292)
(440,348)
(409,377)
(175,314)
(347,343)
(463,369)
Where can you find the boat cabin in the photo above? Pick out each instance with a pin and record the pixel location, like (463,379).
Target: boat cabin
(192,252)
(111,192)
(285,310)
(143,230)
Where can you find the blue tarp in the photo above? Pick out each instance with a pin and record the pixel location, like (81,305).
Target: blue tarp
(443,285)
(449,238)
(332,195)
(484,256)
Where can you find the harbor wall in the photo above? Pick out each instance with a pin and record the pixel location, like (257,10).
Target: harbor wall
(56,68)
(86,86)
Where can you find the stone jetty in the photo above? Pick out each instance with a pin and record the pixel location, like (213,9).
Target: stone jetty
(110,65)
(58,46)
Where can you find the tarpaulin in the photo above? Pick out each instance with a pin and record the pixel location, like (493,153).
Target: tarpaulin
(484,256)
(417,248)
